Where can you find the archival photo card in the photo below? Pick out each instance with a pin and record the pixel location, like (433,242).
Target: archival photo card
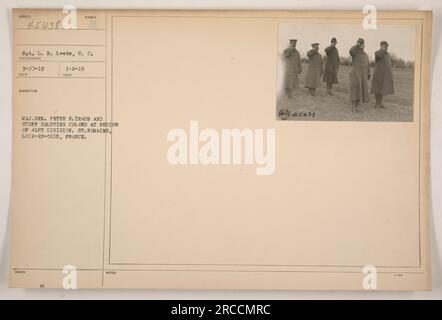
(147,153)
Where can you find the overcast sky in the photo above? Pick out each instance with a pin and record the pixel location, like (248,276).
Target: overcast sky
(401,38)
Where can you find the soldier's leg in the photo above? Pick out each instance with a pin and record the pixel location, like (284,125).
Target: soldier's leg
(354,106)
(288,93)
(376,96)
(380,101)
(329,88)
(313,91)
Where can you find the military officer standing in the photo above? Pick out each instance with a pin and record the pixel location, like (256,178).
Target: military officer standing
(382,82)
(331,66)
(359,75)
(314,73)
(293,67)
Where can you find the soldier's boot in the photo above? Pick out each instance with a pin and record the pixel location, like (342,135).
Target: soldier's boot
(313,93)
(380,101)
(376,96)
(288,93)
(329,89)
(354,106)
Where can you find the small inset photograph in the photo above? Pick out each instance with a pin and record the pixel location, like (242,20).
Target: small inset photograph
(343,72)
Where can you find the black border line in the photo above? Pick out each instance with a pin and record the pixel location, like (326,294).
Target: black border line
(105,153)
(215,270)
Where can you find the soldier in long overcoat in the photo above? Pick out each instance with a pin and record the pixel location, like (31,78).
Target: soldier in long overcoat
(331,66)
(359,75)
(314,72)
(293,67)
(382,82)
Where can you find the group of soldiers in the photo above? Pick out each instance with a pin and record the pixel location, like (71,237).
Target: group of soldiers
(382,80)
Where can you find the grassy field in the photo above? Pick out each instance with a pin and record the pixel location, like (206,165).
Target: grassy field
(399,107)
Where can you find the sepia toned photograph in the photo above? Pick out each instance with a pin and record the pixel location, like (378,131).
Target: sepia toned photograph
(343,72)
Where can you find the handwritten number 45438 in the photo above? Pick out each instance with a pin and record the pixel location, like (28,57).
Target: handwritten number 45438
(44,25)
